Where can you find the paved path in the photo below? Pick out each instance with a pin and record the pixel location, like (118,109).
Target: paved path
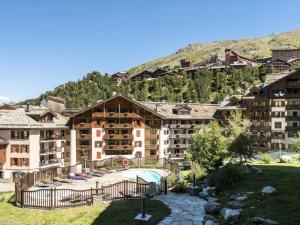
(185,209)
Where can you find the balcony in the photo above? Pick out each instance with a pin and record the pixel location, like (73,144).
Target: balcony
(118,136)
(118,147)
(49,162)
(118,125)
(180,136)
(154,147)
(181,126)
(177,156)
(293,84)
(261,128)
(51,137)
(260,138)
(83,147)
(292,107)
(261,107)
(290,128)
(84,136)
(257,117)
(152,136)
(292,118)
(83,126)
(98,114)
(179,146)
(50,151)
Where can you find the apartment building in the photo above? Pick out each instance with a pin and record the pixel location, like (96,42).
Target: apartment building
(274,110)
(31,138)
(122,126)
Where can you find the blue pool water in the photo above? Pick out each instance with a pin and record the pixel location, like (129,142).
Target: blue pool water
(147,175)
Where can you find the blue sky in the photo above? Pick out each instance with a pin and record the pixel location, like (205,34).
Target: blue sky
(46,43)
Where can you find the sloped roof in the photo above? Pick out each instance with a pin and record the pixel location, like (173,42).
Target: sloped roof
(3,141)
(198,111)
(20,119)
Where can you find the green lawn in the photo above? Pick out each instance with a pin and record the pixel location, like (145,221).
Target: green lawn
(283,207)
(115,213)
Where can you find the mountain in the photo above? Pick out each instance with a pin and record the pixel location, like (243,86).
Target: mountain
(252,48)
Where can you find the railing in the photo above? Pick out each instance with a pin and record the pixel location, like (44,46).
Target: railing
(83,126)
(118,125)
(118,147)
(118,136)
(151,136)
(291,107)
(61,198)
(292,118)
(84,136)
(155,146)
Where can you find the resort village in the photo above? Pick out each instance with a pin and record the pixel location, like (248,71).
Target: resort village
(121,148)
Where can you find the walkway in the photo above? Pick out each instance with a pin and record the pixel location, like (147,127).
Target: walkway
(185,209)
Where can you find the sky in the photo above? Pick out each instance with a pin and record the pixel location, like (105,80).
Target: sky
(46,43)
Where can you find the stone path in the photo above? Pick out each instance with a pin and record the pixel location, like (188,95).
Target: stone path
(185,209)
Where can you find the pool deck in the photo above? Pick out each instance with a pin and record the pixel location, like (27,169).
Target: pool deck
(105,180)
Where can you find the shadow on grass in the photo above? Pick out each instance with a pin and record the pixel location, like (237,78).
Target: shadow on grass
(123,212)
(283,207)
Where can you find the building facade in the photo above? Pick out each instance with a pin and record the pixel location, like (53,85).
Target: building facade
(32,138)
(274,110)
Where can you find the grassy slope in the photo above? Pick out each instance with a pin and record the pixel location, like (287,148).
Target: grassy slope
(283,207)
(255,47)
(116,213)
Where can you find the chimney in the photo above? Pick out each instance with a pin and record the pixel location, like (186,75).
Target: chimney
(156,106)
(28,107)
(114,93)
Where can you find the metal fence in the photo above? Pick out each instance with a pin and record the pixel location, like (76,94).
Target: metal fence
(60,198)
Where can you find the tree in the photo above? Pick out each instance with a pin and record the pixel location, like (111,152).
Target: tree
(296,145)
(208,147)
(238,133)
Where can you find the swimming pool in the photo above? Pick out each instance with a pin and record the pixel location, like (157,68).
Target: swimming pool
(147,175)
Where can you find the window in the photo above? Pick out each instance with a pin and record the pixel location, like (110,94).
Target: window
(166,142)
(278,125)
(138,133)
(98,144)
(152,142)
(98,133)
(98,155)
(138,144)
(152,152)
(166,132)
(152,131)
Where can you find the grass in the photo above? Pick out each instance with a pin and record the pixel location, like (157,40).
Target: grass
(283,207)
(114,213)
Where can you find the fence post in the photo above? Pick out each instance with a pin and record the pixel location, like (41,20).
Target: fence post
(54,201)
(166,186)
(51,195)
(124,191)
(22,198)
(97,187)
(92,200)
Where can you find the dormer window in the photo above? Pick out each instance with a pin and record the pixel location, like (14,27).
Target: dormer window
(182,109)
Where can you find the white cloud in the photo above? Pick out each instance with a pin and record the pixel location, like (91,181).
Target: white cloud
(4,99)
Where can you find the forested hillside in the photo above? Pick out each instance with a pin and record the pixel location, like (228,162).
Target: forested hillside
(204,86)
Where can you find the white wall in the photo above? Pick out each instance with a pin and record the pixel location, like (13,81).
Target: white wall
(141,138)
(94,139)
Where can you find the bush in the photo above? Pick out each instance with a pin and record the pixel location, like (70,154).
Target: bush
(225,178)
(265,158)
(176,184)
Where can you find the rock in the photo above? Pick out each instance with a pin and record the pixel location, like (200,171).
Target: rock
(209,217)
(241,198)
(269,190)
(212,207)
(262,221)
(203,194)
(210,222)
(212,199)
(236,204)
(228,213)
(252,169)
(285,159)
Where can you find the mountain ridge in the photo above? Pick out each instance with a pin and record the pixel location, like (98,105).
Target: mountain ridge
(256,47)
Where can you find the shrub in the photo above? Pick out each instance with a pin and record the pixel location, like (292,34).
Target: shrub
(265,158)
(176,184)
(225,178)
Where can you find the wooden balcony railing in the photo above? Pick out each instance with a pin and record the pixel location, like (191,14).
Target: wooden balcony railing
(83,126)
(154,147)
(118,136)
(84,136)
(118,147)
(152,136)
(292,107)
(118,125)
(292,118)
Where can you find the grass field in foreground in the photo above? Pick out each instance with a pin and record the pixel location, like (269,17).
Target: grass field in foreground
(115,213)
(283,207)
